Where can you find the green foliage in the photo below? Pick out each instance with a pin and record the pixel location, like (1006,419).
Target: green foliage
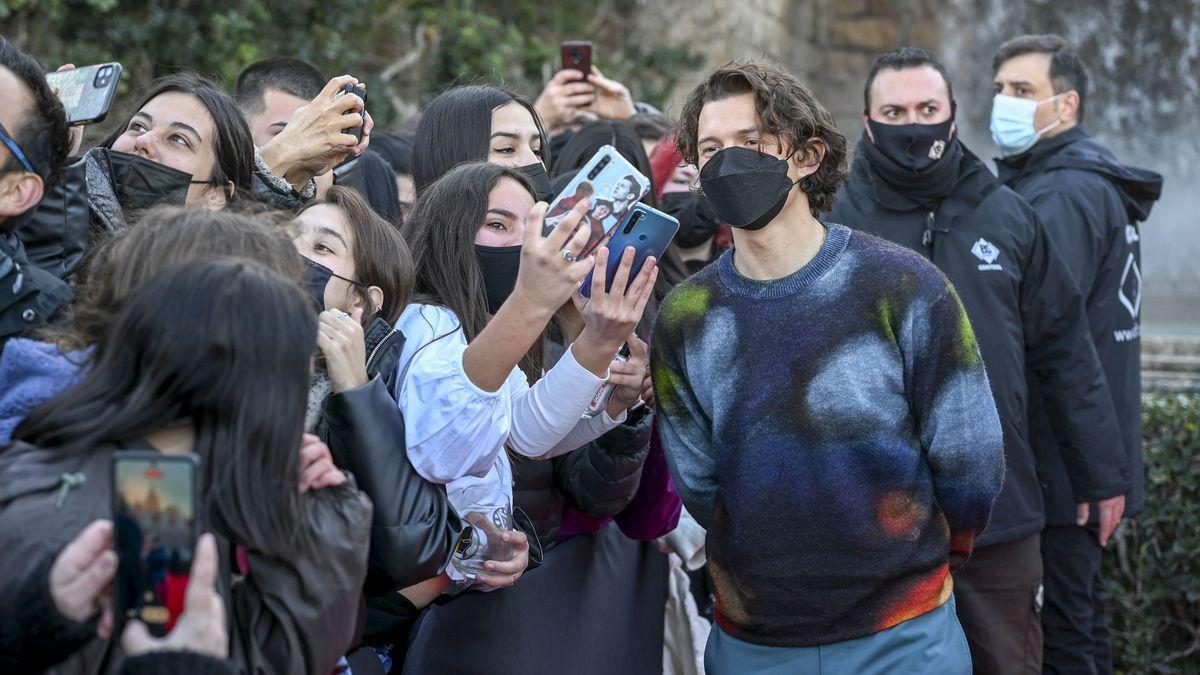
(406,50)
(1154,577)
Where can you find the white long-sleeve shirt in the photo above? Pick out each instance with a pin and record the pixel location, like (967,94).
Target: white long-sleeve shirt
(456,431)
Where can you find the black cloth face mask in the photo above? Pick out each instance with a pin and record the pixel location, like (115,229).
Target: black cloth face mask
(140,183)
(746,188)
(914,147)
(499,265)
(697,222)
(316,278)
(536,173)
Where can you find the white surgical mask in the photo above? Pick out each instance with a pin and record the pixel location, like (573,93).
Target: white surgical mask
(1012,123)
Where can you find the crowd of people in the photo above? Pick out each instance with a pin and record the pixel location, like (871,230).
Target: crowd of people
(867,417)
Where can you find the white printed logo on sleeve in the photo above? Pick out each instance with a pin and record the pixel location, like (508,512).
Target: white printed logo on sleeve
(988,253)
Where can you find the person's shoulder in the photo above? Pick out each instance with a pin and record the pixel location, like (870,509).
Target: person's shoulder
(891,265)
(691,299)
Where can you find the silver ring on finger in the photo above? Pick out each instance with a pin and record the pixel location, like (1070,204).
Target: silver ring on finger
(568,256)
(340,314)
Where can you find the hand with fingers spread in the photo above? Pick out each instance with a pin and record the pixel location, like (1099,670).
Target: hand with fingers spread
(340,338)
(314,140)
(628,376)
(1111,511)
(81,576)
(550,270)
(564,98)
(201,627)
(610,316)
(612,99)
(317,470)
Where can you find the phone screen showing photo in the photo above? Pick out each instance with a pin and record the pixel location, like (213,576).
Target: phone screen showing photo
(154,521)
(610,184)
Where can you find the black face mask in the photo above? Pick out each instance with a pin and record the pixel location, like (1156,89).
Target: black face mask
(140,183)
(914,147)
(317,276)
(499,265)
(697,222)
(745,188)
(536,173)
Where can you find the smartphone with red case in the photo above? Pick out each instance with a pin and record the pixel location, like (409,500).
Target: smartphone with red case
(577,55)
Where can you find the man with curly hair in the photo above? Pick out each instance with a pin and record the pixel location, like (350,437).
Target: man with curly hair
(823,405)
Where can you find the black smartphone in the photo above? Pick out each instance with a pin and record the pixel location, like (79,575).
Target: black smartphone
(577,55)
(648,230)
(154,532)
(361,92)
(86,93)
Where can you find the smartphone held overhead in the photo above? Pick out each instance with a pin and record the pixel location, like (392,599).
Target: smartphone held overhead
(612,186)
(154,531)
(577,55)
(361,92)
(86,93)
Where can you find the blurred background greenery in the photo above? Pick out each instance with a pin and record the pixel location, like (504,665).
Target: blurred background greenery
(406,50)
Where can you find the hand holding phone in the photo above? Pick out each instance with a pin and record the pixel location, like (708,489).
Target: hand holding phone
(201,627)
(361,92)
(642,236)
(154,532)
(86,93)
(577,55)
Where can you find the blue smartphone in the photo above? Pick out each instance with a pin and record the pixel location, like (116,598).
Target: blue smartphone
(648,230)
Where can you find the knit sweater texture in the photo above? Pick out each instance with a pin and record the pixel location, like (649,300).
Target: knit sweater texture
(835,433)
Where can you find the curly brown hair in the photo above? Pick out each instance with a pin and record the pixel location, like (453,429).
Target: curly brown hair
(786,110)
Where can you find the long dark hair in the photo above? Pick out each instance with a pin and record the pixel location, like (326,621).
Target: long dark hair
(381,256)
(233,145)
(457,128)
(441,234)
(226,347)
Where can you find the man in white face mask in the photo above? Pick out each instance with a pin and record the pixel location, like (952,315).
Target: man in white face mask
(1091,205)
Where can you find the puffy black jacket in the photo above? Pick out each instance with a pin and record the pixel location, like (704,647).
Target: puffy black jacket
(1026,312)
(600,479)
(1091,205)
(414,528)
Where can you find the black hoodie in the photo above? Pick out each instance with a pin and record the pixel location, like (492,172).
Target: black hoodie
(1026,311)
(1091,205)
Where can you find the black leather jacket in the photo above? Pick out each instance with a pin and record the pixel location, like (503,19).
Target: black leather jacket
(414,528)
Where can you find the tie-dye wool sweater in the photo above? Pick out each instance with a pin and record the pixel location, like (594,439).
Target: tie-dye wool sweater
(835,433)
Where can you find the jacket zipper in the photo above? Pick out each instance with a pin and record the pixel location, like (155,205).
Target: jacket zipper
(375,352)
(927,237)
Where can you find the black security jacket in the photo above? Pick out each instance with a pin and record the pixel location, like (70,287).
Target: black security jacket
(1091,205)
(1026,312)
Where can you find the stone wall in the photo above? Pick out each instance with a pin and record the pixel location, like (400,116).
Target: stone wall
(1143,57)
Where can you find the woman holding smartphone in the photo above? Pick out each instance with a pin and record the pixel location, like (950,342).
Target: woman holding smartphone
(183,369)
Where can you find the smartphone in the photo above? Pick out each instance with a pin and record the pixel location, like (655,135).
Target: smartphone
(155,532)
(611,183)
(86,93)
(648,230)
(361,92)
(577,55)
